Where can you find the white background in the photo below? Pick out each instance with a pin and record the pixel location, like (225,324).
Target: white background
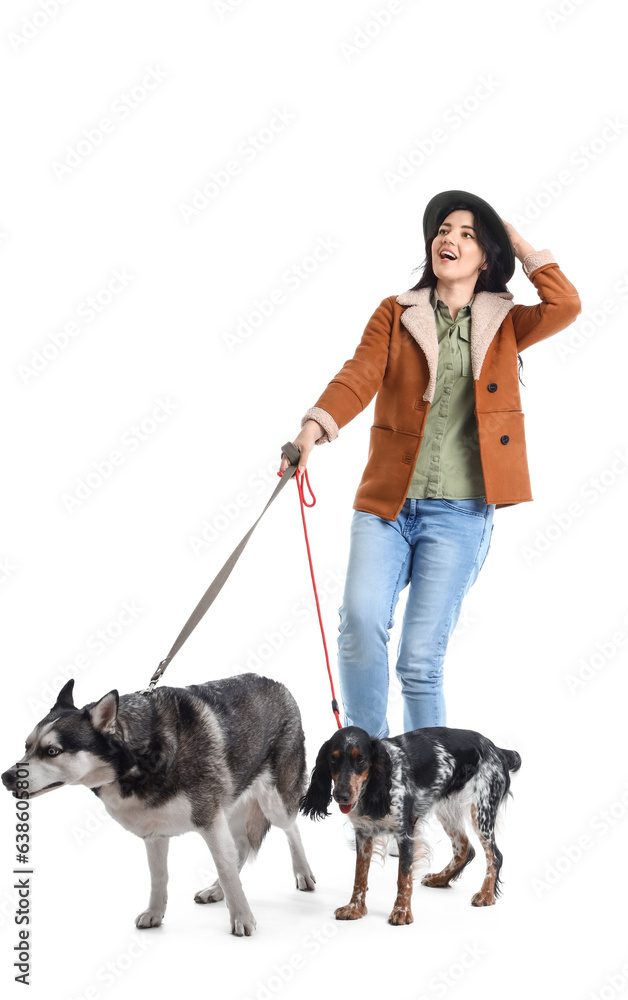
(358,92)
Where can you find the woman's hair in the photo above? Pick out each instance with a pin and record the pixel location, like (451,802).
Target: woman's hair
(491,279)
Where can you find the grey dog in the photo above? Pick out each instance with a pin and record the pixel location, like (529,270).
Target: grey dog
(225,759)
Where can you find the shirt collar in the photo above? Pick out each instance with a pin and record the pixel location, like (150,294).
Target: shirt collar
(439,304)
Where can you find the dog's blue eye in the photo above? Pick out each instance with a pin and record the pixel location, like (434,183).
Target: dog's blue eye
(52,751)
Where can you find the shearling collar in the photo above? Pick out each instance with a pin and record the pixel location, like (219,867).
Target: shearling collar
(488,311)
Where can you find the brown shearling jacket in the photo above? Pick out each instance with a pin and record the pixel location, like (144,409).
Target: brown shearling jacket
(397,358)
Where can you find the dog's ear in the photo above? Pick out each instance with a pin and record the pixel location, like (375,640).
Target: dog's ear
(64,698)
(104,713)
(375,800)
(318,796)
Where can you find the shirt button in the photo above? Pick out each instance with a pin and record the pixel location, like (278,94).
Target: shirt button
(492,387)
(504,439)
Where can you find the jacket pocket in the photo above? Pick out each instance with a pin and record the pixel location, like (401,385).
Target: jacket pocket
(503,454)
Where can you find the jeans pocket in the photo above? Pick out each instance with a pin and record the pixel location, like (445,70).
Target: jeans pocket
(476,507)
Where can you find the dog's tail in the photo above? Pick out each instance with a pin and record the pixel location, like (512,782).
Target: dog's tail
(510,761)
(513,760)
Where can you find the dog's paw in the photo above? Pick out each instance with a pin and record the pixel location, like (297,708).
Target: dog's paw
(211,895)
(401,915)
(149,918)
(306,882)
(352,911)
(436,881)
(481,899)
(243,924)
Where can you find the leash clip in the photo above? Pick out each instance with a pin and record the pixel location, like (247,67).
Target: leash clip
(158,673)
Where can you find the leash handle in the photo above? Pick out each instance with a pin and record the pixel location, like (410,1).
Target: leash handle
(291,452)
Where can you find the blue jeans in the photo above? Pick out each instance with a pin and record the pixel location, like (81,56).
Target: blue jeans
(436,546)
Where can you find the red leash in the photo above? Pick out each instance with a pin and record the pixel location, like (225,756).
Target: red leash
(218,583)
(300,479)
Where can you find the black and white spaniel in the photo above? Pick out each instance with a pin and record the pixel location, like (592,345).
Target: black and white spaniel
(389,787)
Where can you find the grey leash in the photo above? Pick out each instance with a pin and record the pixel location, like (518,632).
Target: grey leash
(210,595)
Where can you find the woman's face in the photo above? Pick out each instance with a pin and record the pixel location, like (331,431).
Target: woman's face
(456,253)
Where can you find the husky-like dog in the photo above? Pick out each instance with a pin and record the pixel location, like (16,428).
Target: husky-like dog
(225,759)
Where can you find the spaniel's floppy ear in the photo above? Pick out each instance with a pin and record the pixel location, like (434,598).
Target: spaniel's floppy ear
(375,800)
(318,796)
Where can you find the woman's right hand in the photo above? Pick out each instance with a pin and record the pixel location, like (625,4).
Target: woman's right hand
(304,441)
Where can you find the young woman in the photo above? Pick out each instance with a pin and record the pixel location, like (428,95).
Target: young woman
(447,447)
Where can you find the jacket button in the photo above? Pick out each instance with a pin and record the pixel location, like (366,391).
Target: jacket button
(492,387)
(504,439)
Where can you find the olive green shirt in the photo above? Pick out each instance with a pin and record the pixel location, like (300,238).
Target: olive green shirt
(449,466)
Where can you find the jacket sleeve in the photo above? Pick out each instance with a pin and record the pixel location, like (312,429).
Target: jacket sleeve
(353,388)
(559,306)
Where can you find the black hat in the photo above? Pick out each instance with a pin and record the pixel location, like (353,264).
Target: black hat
(489,215)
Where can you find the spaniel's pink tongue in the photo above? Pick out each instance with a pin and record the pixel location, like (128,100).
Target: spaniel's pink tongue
(345,809)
